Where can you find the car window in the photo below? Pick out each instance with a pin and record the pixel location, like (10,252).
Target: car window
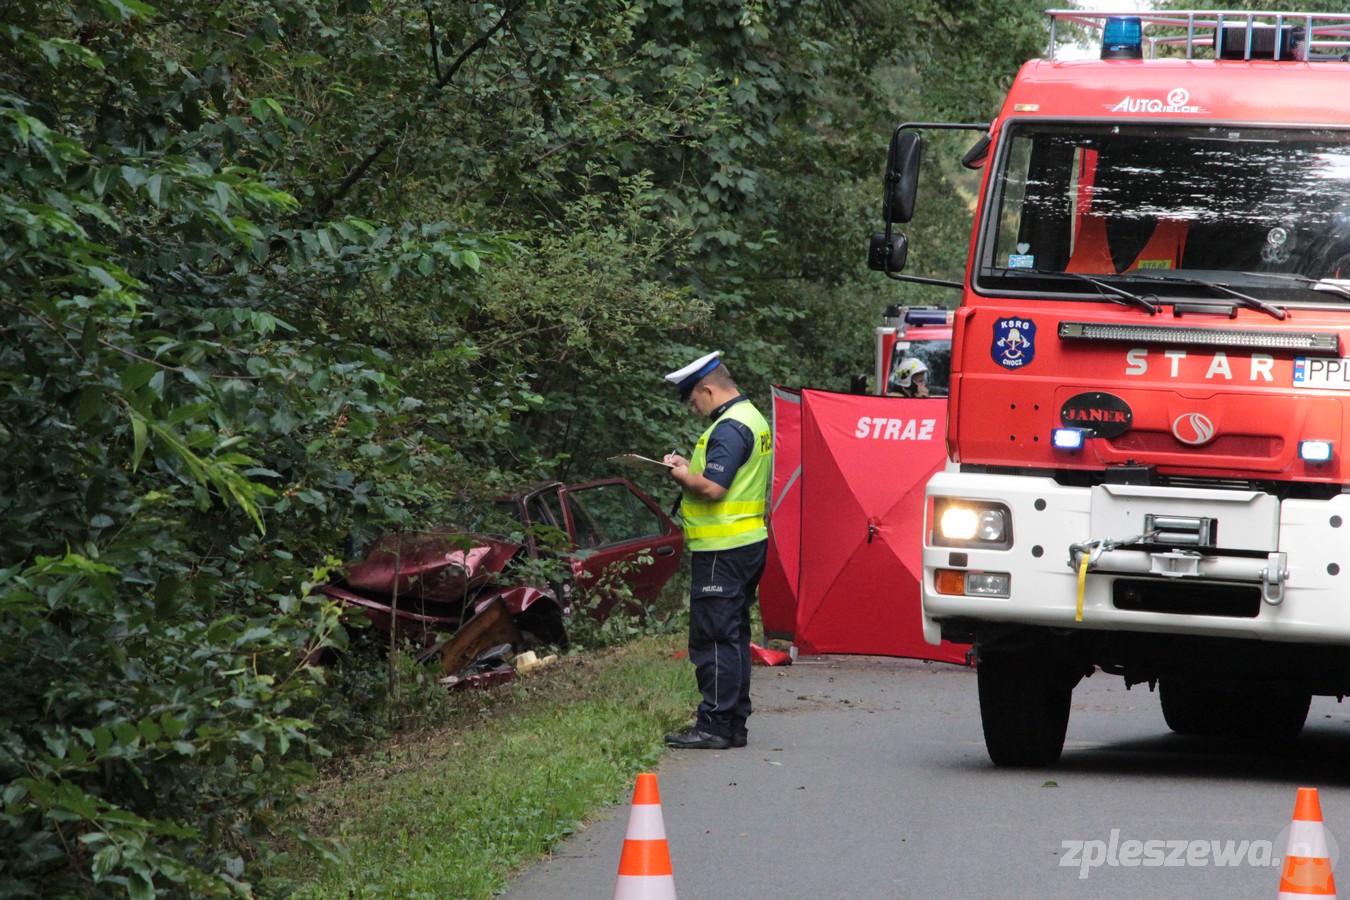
(589,535)
(553,503)
(540,513)
(546,523)
(616,514)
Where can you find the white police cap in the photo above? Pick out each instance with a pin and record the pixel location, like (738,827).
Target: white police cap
(686,378)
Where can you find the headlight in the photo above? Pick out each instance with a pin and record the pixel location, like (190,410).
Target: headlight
(966,523)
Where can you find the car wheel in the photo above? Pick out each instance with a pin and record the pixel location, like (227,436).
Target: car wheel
(1024,709)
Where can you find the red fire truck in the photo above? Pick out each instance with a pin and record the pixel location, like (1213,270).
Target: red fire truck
(1150,379)
(922,333)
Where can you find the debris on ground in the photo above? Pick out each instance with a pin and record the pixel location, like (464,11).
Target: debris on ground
(490,667)
(529,661)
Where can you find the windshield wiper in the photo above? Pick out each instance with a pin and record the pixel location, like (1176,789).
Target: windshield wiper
(1108,291)
(1247,300)
(1337,286)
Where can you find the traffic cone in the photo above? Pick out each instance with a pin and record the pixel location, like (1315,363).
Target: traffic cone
(1307,865)
(644,868)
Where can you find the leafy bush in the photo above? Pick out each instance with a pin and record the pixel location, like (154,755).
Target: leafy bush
(175,451)
(628,618)
(276,275)
(209,717)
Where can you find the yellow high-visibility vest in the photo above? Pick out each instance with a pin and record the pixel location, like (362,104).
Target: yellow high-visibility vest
(738,518)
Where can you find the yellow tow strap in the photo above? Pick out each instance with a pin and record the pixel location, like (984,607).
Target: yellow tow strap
(1082,578)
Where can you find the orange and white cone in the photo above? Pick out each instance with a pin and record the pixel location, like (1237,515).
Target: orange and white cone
(644,868)
(1307,864)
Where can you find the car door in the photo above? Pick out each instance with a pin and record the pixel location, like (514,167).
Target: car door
(611,522)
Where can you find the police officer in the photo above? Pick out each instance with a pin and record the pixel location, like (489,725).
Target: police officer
(723,491)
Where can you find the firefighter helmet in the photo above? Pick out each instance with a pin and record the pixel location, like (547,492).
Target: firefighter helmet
(903,376)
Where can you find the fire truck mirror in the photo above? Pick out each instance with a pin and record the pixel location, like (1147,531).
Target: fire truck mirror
(888,252)
(978,154)
(902,177)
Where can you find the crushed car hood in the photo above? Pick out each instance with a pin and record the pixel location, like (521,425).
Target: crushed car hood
(441,565)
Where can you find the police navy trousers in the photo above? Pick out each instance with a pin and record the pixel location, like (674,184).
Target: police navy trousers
(722,590)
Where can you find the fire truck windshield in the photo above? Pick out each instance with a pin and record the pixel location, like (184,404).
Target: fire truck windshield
(936,356)
(1169,212)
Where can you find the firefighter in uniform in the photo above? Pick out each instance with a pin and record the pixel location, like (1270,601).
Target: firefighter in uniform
(910,379)
(723,493)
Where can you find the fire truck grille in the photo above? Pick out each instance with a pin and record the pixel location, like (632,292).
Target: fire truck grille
(1219,484)
(1242,445)
(1234,601)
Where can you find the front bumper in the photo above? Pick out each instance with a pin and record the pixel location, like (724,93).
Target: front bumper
(1292,556)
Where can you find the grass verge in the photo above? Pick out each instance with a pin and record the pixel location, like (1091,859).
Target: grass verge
(455,810)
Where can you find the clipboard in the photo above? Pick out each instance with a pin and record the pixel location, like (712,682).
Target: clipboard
(642,463)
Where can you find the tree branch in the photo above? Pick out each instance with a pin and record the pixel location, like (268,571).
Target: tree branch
(435,51)
(357,173)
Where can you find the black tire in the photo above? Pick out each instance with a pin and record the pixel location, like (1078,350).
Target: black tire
(1279,716)
(1199,709)
(1192,709)
(1024,708)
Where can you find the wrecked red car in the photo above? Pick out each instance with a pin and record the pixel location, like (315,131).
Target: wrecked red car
(428,582)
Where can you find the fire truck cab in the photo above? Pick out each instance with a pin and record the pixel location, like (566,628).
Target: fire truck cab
(1150,392)
(921,333)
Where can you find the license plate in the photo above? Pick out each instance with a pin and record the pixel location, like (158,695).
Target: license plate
(1317,371)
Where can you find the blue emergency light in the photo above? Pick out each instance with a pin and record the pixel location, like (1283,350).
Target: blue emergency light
(1068,438)
(1314,451)
(928,315)
(1122,38)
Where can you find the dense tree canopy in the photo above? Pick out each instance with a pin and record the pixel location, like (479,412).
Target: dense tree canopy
(278,274)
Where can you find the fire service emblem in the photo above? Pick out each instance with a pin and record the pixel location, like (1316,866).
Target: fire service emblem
(1014,343)
(1193,428)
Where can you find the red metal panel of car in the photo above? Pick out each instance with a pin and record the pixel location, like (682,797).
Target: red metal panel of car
(600,546)
(440,566)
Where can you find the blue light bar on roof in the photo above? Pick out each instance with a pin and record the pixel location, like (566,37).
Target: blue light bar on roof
(1122,38)
(928,316)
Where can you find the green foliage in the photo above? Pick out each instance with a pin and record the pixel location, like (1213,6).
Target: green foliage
(183,433)
(206,715)
(627,619)
(515,771)
(275,276)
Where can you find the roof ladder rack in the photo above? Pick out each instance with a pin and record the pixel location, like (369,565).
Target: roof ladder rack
(1224,34)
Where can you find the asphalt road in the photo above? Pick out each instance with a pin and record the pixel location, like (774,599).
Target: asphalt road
(867,778)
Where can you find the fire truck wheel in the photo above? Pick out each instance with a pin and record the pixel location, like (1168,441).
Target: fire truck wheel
(1193,708)
(1277,715)
(1024,708)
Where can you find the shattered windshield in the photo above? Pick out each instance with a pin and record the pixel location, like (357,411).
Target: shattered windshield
(1166,209)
